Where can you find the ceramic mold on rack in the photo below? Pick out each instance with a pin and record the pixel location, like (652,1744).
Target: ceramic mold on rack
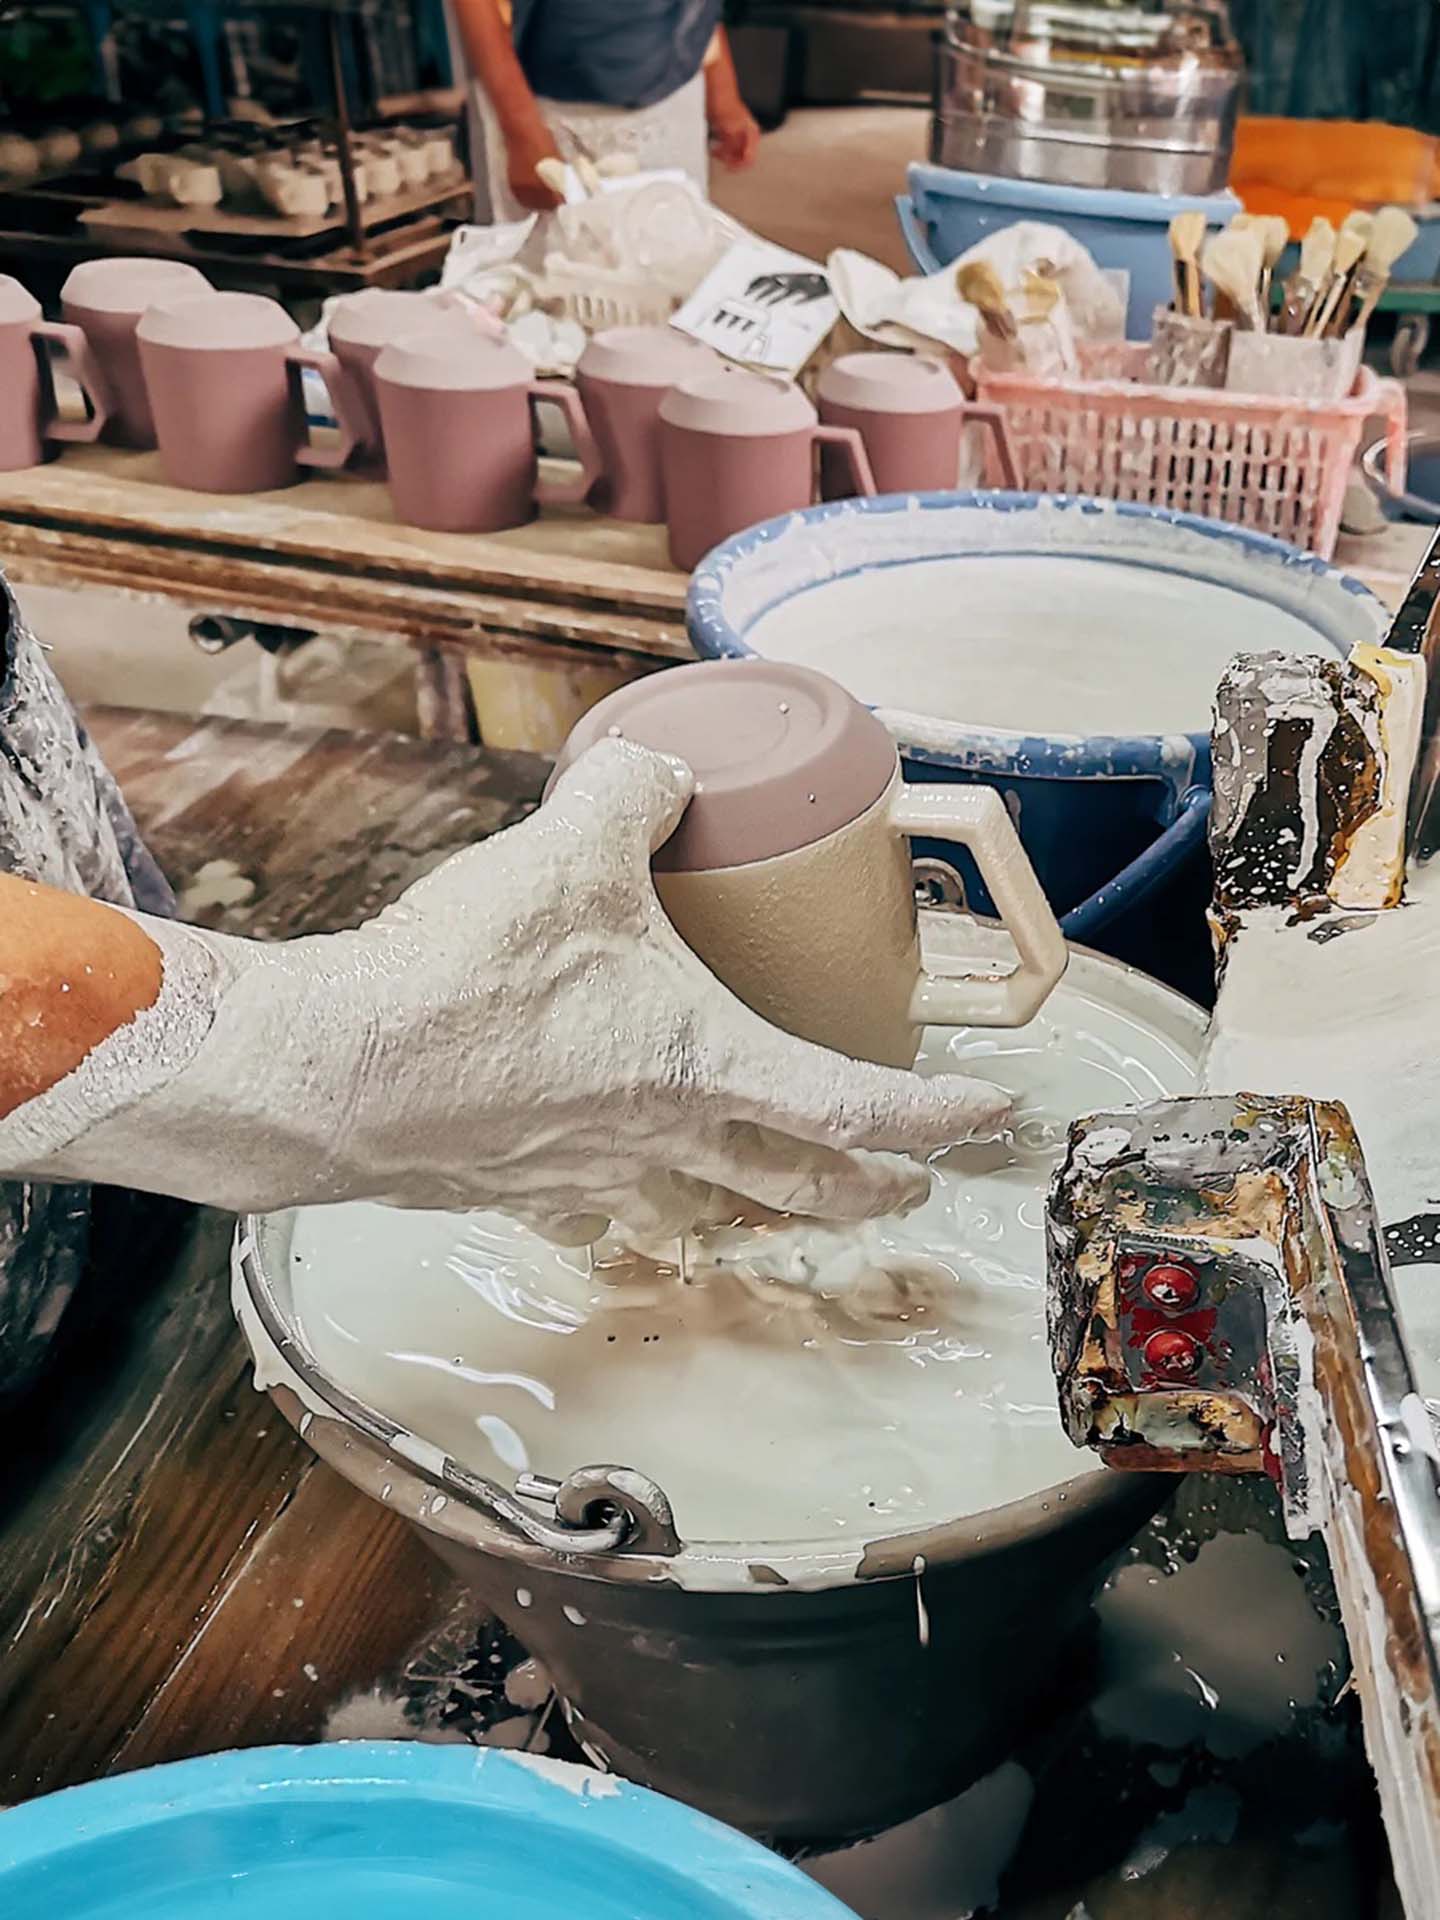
(1234,1286)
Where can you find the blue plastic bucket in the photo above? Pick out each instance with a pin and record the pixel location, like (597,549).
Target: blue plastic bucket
(1109,821)
(946,212)
(385,1830)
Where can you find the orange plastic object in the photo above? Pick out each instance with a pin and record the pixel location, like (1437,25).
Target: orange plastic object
(1301,168)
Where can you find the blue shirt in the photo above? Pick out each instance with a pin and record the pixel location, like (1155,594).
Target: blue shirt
(614,53)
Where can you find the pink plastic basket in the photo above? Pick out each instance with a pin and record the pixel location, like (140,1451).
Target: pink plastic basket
(1277,465)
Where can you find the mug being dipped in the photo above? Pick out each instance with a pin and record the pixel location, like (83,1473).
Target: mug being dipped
(790,873)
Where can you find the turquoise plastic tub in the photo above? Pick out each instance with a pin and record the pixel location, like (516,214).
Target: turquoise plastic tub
(947,211)
(385,1830)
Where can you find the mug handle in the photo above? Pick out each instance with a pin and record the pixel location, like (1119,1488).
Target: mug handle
(977,819)
(352,415)
(568,493)
(851,447)
(993,419)
(87,371)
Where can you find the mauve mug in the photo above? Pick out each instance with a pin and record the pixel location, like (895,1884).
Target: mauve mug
(223,375)
(363,324)
(736,447)
(106,299)
(457,415)
(623,375)
(791,875)
(29,411)
(908,412)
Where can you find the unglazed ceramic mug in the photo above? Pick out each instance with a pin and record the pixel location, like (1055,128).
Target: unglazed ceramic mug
(106,298)
(363,324)
(909,412)
(737,447)
(29,411)
(223,373)
(457,412)
(790,874)
(623,375)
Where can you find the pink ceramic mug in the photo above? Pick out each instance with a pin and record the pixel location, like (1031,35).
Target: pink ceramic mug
(363,324)
(29,410)
(106,298)
(911,415)
(736,447)
(457,415)
(623,375)
(223,376)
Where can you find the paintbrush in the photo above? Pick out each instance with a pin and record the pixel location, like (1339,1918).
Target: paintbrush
(1350,245)
(1391,235)
(1275,236)
(1187,236)
(1232,262)
(1302,289)
(979,283)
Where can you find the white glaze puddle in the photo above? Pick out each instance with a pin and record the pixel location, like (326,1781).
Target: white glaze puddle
(913,1387)
(1030,642)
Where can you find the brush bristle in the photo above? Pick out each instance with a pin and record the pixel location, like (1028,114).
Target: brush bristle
(1349,246)
(1232,262)
(1392,234)
(1317,250)
(1276,230)
(1187,234)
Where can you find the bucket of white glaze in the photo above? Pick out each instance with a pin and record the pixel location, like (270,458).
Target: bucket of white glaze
(1064,650)
(815,1675)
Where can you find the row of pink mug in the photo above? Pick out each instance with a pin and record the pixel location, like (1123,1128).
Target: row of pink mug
(427,392)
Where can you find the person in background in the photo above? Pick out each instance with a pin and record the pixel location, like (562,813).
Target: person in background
(581,79)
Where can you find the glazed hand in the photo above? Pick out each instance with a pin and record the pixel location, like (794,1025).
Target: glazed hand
(523,1030)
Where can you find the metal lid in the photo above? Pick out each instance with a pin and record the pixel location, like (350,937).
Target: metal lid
(646,357)
(782,756)
(737,402)
(131,283)
(219,321)
(889,383)
(17,302)
(375,316)
(454,357)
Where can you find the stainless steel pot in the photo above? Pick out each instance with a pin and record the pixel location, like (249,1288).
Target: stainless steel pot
(1082,96)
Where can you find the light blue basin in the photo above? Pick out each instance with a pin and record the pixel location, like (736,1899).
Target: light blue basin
(384,1830)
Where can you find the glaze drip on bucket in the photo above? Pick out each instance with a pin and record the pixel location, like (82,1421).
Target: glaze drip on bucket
(889,1378)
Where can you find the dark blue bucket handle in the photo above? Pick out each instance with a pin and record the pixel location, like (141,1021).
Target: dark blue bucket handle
(914,235)
(1132,884)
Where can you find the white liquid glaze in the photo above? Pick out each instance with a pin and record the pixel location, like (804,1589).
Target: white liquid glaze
(890,1389)
(1030,642)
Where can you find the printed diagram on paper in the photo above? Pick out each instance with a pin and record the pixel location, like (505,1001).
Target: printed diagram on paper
(763,305)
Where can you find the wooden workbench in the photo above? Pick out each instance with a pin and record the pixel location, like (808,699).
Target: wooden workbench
(179,1574)
(571,603)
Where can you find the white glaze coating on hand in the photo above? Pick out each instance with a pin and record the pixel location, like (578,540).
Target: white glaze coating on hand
(523,1030)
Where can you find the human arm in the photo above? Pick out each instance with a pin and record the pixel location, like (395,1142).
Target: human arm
(490,50)
(734,131)
(523,1030)
(71,972)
